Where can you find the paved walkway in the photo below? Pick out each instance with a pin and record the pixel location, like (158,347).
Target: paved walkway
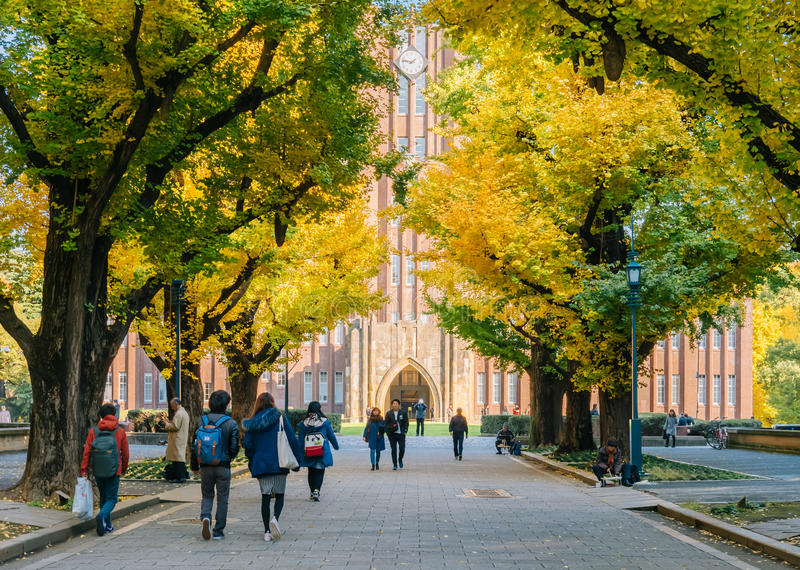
(419,517)
(783,466)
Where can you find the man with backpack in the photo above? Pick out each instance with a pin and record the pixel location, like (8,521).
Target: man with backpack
(215,444)
(106,450)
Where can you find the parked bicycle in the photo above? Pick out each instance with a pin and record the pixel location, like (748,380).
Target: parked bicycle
(717,435)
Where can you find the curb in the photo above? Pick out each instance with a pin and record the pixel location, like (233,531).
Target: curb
(747,538)
(39,539)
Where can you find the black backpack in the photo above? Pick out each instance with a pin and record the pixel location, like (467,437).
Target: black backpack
(629,475)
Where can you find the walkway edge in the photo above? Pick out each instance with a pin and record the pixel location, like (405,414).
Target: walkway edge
(39,539)
(747,538)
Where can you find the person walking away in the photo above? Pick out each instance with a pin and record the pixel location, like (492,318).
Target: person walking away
(214,446)
(458,430)
(504,437)
(670,428)
(609,460)
(177,439)
(261,449)
(316,437)
(116,408)
(419,413)
(5,415)
(106,449)
(396,428)
(373,435)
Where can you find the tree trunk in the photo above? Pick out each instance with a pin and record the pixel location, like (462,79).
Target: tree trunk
(615,412)
(244,390)
(547,394)
(577,434)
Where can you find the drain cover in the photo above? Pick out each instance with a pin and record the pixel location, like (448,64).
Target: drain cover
(487,493)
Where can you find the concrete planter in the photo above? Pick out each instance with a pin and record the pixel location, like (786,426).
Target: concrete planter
(785,441)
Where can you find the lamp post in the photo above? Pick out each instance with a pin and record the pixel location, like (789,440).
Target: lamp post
(634,271)
(178,299)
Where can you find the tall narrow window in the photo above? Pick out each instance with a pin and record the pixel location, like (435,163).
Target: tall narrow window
(731,389)
(717,339)
(420,106)
(402,145)
(107,395)
(675,387)
(419,148)
(402,95)
(123,386)
(701,344)
(265,377)
(162,389)
(323,387)
(660,343)
(717,390)
(421,40)
(481,387)
(148,387)
(280,376)
(338,337)
(676,341)
(395,269)
(395,317)
(410,266)
(732,337)
(512,387)
(701,389)
(323,338)
(338,387)
(308,388)
(497,387)
(660,389)
(207,391)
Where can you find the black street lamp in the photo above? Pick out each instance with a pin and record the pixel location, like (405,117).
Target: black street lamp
(634,271)
(178,299)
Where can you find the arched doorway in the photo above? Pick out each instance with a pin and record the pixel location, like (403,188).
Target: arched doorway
(408,381)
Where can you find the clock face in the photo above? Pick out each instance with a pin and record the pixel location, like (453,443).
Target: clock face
(411,62)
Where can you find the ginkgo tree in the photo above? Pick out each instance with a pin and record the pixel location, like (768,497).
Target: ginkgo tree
(529,212)
(103,106)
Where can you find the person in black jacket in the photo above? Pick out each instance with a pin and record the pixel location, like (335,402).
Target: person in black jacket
(218,476)
(504,437)
(396,428)
(459,430)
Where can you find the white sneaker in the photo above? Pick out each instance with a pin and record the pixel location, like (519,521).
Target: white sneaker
(276,530)
(267,537)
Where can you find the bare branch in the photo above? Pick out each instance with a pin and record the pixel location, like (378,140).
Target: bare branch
(129,49)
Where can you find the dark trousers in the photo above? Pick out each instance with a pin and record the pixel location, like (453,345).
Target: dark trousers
(109,493)
(666,440)
(315,477)
(397,441)
(421,426)
(598,471)
(211,477)
(458,443)
(175,471)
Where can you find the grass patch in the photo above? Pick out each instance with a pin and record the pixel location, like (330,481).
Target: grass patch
(152,469)
(655,468)
(745,512)
(431,428)
(13,530)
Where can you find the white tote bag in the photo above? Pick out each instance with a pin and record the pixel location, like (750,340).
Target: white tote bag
(286,458)
(82,501)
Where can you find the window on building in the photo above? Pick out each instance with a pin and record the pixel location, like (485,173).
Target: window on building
(419,147)
(309,338)
(124,342)
(425,265)
(421,40)
(660,344)
(265,376)
(497,387)
(481,387)
(395,269)
(148,387)
(323,338)
(731,389)
(338,387)
(108,393)
(410,267)
(676,341)
(280,376)
(420,106)
(675,387)
(409,316)
(162,389)
(425,318)
(323,387)
(207,389)
(660,389)
(512,387)
(395,317)
(701,343)
(402,94)
(122,378)
(338,336)
(717,390)
(402,145)
(717,339)
(732,337)
(308,388)
(701,389)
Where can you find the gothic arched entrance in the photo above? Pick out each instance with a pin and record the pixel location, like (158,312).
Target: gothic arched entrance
(408,381)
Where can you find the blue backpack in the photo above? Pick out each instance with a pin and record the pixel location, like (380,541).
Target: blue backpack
(210,450)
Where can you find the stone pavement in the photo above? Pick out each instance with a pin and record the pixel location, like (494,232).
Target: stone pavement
(423,516)
(783,466)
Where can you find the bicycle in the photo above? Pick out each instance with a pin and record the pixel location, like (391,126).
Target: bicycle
(717,435)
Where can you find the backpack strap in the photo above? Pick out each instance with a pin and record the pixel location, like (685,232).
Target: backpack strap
(96,430)
(222,420)
(204,419)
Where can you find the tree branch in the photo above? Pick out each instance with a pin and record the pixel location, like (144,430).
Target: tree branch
(14,326)
(129,49)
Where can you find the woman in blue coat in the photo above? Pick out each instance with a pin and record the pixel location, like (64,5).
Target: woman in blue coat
(373,435)
(261,448)
(315,422)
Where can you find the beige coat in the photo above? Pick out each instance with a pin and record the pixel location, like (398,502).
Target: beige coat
(178,437)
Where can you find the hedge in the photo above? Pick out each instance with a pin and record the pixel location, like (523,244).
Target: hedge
(700,427)
(653,424)
(520,424)
(296,416)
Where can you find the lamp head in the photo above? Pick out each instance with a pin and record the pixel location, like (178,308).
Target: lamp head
(634,274)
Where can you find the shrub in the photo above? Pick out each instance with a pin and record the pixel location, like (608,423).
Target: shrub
(148,420)
(652,423)
(701,426)
(296,416)
(520,425)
